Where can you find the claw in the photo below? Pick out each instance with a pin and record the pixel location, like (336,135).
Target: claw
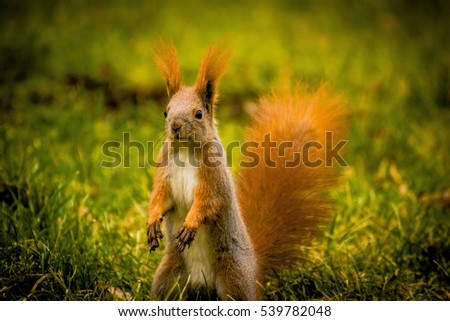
(153,234)
(184,238)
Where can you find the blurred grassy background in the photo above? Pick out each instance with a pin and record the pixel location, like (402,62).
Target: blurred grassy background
(76,74)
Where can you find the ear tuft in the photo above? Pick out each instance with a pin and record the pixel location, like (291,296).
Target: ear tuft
(211,70)
(165,57)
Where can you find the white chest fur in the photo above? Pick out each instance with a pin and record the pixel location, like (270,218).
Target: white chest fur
(199,256)
(183,179)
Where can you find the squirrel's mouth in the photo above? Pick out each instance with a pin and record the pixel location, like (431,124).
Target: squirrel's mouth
(179,137)
(185,140)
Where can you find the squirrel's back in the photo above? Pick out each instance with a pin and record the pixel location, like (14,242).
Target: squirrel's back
(281,191)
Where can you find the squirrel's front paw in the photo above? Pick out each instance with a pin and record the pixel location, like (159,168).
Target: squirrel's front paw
(184,238)
(154,234)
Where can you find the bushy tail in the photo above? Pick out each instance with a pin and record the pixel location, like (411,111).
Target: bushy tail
(284,205)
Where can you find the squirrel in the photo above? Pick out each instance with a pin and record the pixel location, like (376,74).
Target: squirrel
(224,236)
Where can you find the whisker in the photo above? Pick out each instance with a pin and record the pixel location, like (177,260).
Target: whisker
(158,137)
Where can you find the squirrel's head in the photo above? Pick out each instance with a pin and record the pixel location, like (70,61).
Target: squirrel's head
(189,115)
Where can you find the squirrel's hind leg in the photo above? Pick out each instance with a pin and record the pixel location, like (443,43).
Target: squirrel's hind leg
(235,284)
(169,272)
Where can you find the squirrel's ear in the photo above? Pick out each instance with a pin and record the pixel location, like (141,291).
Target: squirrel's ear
(211,69)
(165,57)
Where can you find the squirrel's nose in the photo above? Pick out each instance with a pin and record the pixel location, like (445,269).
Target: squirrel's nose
(176,126)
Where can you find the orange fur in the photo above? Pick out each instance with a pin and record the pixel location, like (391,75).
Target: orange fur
(165,57)
(161,198)
(211,70)
(282,207)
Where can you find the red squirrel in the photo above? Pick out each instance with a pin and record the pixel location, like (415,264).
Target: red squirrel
(223,236)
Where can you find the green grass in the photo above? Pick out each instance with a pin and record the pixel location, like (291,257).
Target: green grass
(74,76)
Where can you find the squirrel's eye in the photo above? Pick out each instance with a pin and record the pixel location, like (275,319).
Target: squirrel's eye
(165,114)
(198,114)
